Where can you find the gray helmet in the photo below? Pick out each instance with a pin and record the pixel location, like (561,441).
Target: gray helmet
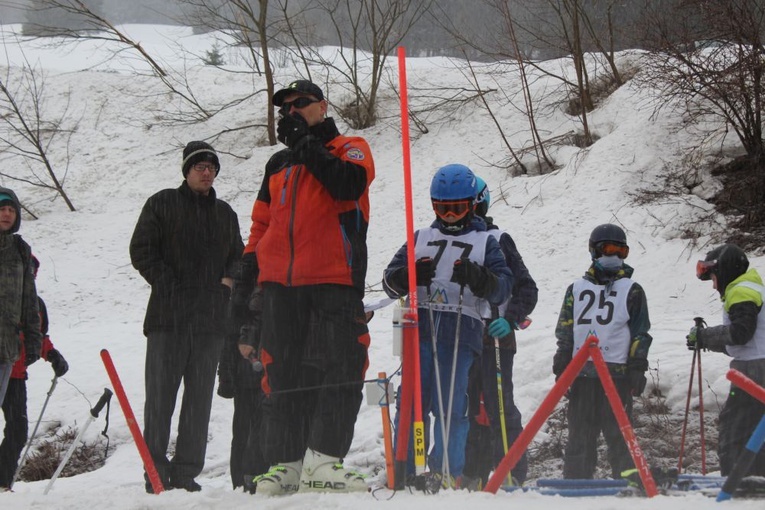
(606,232)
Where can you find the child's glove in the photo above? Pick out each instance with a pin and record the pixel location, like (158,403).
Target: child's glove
(500,328)
(57,361)
(560,362)
(478,278)
(636,368)
(425,271)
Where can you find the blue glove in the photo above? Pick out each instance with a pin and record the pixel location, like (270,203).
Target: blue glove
(500,328)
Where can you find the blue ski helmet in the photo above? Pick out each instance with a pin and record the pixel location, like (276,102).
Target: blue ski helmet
(483,198)
(452,193)
(453,182)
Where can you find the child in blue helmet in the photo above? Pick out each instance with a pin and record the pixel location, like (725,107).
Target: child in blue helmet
(461,272)
(486,440)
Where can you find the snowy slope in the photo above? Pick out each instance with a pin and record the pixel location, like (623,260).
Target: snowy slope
(121,153)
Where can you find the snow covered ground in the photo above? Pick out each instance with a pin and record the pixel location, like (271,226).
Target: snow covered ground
(121,153)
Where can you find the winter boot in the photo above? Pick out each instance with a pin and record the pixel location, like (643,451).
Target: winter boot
(322,473)
(280,479)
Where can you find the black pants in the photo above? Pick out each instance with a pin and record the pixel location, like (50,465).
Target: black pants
(246,453)
(16,429)
(739,417)
(589,414)
(342,337)
(485,447)
(171,358)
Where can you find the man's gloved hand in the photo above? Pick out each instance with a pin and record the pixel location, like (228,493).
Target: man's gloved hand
(560,362)
(636,368)
(474,275)
(57,361)
(692,339)
(30,357)
(226,388)
(291,129)
(500,327)
(425,270)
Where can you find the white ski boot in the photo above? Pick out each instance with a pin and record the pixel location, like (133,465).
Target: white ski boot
(279,480)
(322,473)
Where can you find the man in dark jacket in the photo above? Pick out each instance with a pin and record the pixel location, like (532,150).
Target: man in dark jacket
(15,405)
(18,295)
(308,235)
(185,245)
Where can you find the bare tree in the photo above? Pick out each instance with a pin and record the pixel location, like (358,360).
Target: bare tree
(367,31)
(708,58)
(28,129)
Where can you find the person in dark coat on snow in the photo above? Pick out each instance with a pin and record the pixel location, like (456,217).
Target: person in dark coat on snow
(742,337)
(608,302)
(185,245)
(18,294)
(486,443)
(15,404)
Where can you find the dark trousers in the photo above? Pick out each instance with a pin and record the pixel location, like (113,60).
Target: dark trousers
(171,358)
(246,454)
(589,414)
(16,429)
(739,417)
(342,337)
(485,448)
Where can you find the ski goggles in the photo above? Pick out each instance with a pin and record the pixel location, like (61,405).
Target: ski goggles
(609,248)
(452,210)
(705,269)
(300,102)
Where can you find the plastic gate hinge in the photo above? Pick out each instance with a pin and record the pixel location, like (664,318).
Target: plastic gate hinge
(376,392)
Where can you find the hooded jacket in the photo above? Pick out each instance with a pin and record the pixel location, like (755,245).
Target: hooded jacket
(19,311)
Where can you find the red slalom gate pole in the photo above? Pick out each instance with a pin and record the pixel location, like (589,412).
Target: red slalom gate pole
(547,406)
(624,423)
(413,359)
(746,384)
(143,450)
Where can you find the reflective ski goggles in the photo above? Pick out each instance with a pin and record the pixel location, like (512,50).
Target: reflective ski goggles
(705,269)
(609,248)
(300,102)
(452,210)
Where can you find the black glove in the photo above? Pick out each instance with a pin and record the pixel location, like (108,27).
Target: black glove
(226,387)
(57,361)
(560,362)
(480,280)
(636,368)
(30,357)
(425,271)
(291,129)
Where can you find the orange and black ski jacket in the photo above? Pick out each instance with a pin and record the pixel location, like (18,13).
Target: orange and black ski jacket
(310,219)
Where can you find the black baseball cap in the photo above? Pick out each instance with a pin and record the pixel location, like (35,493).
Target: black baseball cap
(302,86)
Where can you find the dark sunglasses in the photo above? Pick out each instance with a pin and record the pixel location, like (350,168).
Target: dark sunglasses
(298,103)
(608,248)
(452,210)
(704,269)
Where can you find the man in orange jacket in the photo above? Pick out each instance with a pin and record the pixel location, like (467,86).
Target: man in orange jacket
(308,246)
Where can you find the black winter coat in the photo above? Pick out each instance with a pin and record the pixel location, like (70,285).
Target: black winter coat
(183,245)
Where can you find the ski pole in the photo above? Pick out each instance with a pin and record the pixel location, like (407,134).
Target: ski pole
(501,404)
(701,324)
(687,408)
(439,391)
(107,395)
(34,432)
(453,377)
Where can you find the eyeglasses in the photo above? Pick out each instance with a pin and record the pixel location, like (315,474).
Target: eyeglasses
(609,248)
(298,103)
(705,269)
(201,167)
(452,210)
